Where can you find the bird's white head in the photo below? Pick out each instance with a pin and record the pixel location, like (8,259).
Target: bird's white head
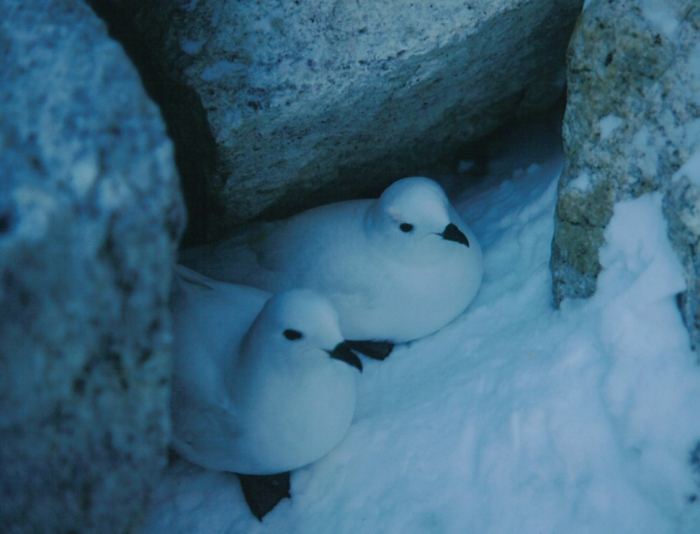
(413,218)
(296,329)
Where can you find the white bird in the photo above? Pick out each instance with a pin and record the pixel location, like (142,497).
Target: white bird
(261,385)
(397,268)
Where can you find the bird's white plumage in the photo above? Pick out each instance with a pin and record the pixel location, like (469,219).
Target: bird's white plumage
(386,283)
(245,398)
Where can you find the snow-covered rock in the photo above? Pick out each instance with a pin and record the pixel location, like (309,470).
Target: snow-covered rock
(90,212)
(632,125)
(311,102)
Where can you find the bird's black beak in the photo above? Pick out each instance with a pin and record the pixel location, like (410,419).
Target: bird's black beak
(452,233)
(343,353)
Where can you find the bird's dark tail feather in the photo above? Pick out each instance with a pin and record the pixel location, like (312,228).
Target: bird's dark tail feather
(263,492)
(378,350)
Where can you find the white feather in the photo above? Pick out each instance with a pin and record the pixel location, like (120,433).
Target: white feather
(245,398)
(386,284)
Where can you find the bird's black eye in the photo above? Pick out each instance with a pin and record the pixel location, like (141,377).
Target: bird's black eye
(405,227)
(293,335)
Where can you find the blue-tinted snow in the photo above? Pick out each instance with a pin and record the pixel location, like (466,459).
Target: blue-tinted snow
(516,417)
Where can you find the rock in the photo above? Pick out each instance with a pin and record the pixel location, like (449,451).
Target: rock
(312,102)
(90,215)
(632,125)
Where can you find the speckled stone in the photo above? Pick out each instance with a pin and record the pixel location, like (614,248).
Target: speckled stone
(90,215)
(632,122)
(315,101)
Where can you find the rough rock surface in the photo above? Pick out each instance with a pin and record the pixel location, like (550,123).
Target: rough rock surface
(632,125)
(315,101)
(90,213)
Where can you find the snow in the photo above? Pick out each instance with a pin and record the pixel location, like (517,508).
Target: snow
(692,128)
(641,140)
(516,417)
(84,173)
(662,15)
(690,169)
(581,183)
(609,124)
(694,66)
(192,47)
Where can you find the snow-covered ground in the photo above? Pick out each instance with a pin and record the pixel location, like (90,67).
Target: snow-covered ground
(515,418)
